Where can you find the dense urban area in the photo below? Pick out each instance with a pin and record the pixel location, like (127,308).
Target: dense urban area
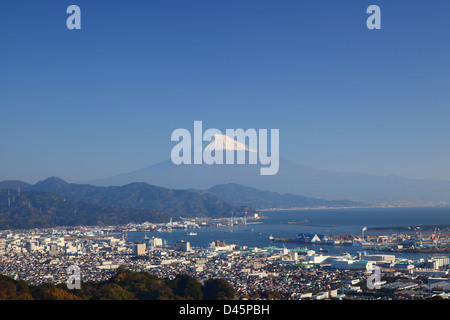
(42,256)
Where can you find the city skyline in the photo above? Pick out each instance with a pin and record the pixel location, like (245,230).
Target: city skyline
(92,103)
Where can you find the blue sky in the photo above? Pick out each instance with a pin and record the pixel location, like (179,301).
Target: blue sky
(103,100)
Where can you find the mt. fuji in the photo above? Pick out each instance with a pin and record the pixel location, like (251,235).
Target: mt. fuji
(291,178)
(224,143)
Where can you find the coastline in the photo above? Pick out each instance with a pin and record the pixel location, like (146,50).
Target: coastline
(357,207)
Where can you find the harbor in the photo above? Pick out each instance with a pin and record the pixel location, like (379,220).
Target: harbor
(435,242)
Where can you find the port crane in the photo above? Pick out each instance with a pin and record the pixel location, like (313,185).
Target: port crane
(419,236)
(435,237)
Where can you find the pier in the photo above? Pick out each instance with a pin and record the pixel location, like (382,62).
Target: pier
(435,242)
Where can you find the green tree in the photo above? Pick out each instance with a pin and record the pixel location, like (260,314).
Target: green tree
(11,289)
(218,289)
(186,287)
(51,292)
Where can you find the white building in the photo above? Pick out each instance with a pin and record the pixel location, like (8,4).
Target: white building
(157,242)
(438,262)
(379,258)
(316,259)
(294,255)
(139,249)
(2,246)
(349,264)
(305,295)
(213,246)
(70,248)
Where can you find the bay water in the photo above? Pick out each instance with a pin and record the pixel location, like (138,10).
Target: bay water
(290,223)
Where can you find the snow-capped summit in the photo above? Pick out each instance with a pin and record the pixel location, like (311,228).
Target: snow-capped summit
(224,142)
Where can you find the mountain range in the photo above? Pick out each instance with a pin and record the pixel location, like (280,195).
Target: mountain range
(139,195)
(56,202)
(53,202)
(166,190)
(292,178)
(36,209)
(263,199)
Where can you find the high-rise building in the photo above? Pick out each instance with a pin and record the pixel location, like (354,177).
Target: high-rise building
(183,246)
(53,249)
(2,246)
(155,242)
(32,245)
(139,249)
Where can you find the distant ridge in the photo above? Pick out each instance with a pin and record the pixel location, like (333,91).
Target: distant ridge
(37,209)
(239,195)
(291,179)
(141,195)
(13,184)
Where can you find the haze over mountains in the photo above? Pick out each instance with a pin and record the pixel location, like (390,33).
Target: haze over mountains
(241,195)
(291,178)
(37,209)
(53,202)
(222,199)
(136,195)
(165,186)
